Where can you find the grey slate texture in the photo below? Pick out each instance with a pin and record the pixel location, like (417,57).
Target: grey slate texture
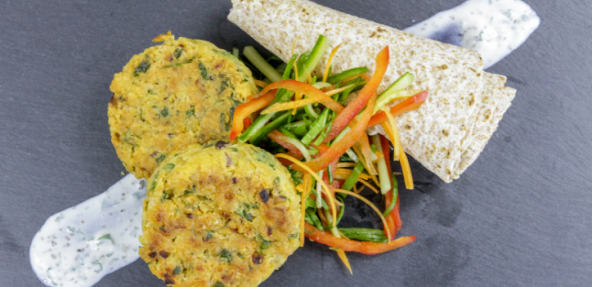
(519,216)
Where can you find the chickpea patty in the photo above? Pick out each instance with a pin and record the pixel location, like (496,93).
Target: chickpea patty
(219,215)
(172,95)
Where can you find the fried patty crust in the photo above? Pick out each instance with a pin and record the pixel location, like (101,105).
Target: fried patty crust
(219,214)
(172,95)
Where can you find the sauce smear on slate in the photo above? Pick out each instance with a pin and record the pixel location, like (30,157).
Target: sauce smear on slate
(82,244)
(494,28)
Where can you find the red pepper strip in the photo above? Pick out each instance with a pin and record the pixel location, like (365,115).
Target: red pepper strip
(308,90)
(247,123)
(340,147)
(353,108)
(364,247)
(408,104)
(279,138)
(392,218)
(244,110)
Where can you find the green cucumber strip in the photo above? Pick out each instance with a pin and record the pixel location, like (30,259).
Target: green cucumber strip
(364,234)
(316,127)
(324,132)
(315,57)
(262,65)
(281,68)
(299,130)
(400,84)
(289,67)
(262,133)
(287,132)
(347,74)
(320,85)
(383,174)
(348,184)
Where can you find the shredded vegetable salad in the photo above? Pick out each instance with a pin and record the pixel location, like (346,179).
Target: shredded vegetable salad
(311,125)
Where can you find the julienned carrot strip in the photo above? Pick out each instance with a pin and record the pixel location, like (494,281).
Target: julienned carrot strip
(307,181)
(409,104)
(306,169)
(365,247)
(393,219)
(346,164)
(406,169)
(328,66)
(343,258)
(367,151)
(286,162)
(244,110)
(297,103)
(307,90)
(368,185)
(341,146)
(353,108)
(358,151)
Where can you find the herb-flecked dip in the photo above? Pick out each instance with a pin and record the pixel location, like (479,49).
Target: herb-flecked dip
(178,93)
(219,215)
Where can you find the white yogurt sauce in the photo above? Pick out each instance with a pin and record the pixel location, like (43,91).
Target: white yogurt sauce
(492,27)
(80,245)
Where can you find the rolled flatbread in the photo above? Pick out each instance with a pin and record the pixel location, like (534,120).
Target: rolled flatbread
(464,106)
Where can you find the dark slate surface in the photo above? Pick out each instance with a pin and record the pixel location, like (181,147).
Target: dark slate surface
(520,216)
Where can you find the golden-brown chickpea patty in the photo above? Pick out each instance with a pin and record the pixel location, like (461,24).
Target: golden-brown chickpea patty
(172,95)
(219,215)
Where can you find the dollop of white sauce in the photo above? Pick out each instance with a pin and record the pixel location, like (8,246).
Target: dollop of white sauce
(80,245)
(494,28)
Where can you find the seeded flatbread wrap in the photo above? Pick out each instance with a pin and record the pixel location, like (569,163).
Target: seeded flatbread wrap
(442,134)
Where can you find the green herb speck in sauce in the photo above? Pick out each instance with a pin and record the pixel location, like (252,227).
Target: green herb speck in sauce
(190,113)
(100,266)
(106,237)
(218,284)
